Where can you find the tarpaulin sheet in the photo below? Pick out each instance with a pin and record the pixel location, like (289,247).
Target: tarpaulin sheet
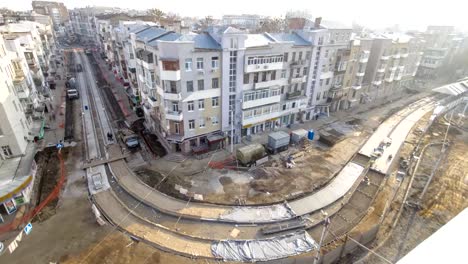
(264,249)
(265,214)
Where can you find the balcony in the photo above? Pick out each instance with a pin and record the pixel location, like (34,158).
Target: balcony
(396,56)
(360,74)
(356,87)
(380,70)
(152,101)
(270,83)
(300,79)
(173,96)
(389,79)
(174,115)
(23,94)
(298,63)
(398,77)
(263,63)
(293,95)
(341,67)
(170,70)
(404,55)
(385,57)
(336,86)
(377,83)
(262,101)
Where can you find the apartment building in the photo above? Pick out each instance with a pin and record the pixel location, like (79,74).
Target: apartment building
(347,87)
(179,81)
(56,10)
(330,55)
(17,166)
(83,24)
(275,68)
(31,40)
(394,58)
(439,45)
(15,95)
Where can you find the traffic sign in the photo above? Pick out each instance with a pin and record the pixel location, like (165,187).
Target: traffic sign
(59,145)
(27,229)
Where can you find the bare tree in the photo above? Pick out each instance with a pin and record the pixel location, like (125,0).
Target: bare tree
(172,17)
(206,22)
(157,14)
(272,25)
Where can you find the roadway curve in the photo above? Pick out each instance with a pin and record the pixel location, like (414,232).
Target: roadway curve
(176,231)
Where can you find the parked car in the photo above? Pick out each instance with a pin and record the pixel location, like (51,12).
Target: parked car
(72,94)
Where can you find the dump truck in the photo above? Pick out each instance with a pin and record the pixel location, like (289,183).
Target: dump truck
(129,138)
(249,154)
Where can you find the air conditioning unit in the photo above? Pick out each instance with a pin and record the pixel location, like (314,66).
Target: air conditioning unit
(201,72)
(214,70)
(257,66)
(265,67)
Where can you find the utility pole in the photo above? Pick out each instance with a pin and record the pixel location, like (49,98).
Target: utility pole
(326,223)
(446,132)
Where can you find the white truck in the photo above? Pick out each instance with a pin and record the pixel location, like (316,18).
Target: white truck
(97,181)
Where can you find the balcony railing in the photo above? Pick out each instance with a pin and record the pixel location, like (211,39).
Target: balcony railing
(293,95)
(174,115)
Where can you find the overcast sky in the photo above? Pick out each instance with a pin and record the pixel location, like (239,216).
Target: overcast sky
(408,14)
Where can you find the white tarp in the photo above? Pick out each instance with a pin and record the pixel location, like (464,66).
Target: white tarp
(264,249)
(271,213)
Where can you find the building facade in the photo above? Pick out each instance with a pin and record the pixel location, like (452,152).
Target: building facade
(57,11)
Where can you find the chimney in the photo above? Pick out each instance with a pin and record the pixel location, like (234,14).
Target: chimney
(318,20)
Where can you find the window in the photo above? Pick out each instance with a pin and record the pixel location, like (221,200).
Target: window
(232,101)
(201,122)
(201,85)
(233,43)
(304,72)
(175,107)
(308,55)
(283,74)
(293,105)
(199,63)
(189,86)
(177,128)
(294,56)
(273,75)
(286,57)
(188,64)
(190,106)
(256,77)
(264,74)
(318,96)
(321,83)
(327,82)
(201,104)
(246,78)
(324,95)
(214,120)
(7,151)
(326,53)
(215,83)
(214,62)
(191,124)
(300,55)
(215,101)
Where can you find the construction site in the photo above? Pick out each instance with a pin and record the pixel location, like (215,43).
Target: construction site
(365,188)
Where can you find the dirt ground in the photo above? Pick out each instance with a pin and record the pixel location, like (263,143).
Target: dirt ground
(446,196)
